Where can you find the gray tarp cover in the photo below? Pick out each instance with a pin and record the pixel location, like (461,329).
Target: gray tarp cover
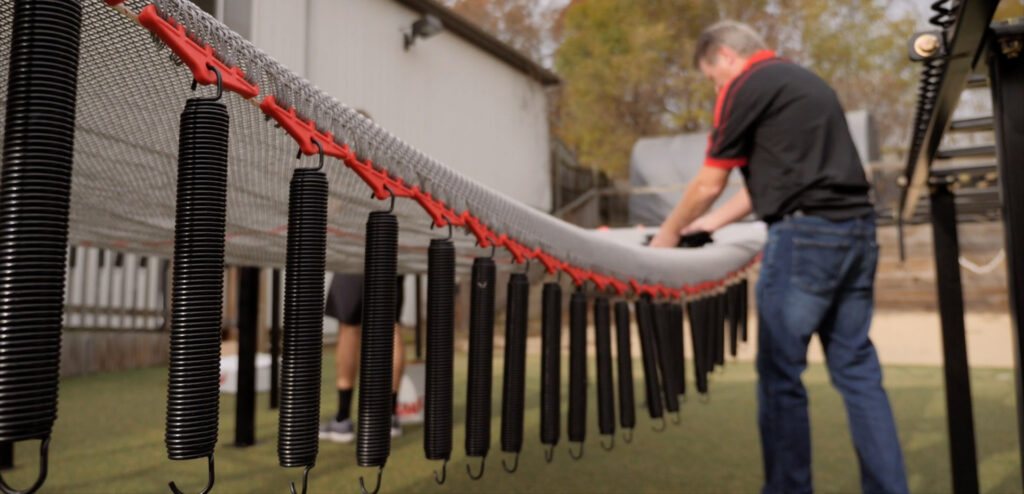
(131,94)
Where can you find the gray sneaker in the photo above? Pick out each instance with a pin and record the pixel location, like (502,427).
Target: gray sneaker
(339,431)
(396,427)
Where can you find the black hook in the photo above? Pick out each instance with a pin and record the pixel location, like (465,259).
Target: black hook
(479,475)
(391,194)
(209,482)
(550,454)
(526,270)
(494,249)
(663,425)
(305,478)
(362,486)
(678,420)
(450,231)
(627,437)
(220,84)
(444,473)
(44,453)
(515,466)
(611,445)
(318,146)
(573,455)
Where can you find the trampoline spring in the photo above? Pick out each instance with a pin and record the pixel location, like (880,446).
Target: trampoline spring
(35,193)
(437,434)
(481,352)
(550,371)
(302,340)
(577,424)
(719,328)
(645,320)
(514,378)
(373,436)
(679,353)
(732,300)
(197,289)
(627,407)
(605,384)
(663,343)
(695,310)
(743,314)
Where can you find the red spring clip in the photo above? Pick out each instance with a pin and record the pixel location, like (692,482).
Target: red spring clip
(515,248)
(619,286)
(551,264)
(600,280)
(483,234)
(433,207)
(578,275)
(198,58)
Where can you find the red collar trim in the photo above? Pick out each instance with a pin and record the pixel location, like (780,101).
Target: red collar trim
(758,57)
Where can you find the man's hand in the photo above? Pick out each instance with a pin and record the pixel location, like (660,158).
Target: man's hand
(665,239)
(703,224)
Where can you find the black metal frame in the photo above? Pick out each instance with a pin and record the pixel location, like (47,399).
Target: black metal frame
(1006,75)
(248,322)
(971,42)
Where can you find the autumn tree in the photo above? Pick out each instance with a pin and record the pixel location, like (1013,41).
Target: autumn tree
(627,65)
(523,24)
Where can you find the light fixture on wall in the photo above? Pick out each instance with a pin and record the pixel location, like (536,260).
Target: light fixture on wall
(424,27)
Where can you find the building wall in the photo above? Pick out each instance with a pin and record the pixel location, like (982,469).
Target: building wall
(445,96)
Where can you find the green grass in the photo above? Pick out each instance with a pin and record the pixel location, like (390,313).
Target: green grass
(109,438)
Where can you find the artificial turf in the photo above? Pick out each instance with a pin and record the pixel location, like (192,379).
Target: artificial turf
(109,438)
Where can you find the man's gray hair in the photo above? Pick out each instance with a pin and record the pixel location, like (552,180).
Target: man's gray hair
(736,35)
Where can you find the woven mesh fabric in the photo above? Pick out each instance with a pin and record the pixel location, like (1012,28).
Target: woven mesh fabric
(132,90)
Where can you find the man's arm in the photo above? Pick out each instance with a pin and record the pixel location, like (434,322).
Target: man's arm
(735,209)
(698,198)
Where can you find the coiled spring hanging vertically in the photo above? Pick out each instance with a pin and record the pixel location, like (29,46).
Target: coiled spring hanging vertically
(744,304)
(679,360)
(605,386)
(698,333)
(437,434)
(732,302)
(663,343)
(481,353)
(38,146)
(303,320)
(577,425)
(373,437)
(514,387)
(550,367)
(645,320)
(624,355)
(718,312)
(193,390)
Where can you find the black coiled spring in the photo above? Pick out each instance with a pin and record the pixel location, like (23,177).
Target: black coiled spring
(645,320)
(744,307)
(551,367)
(481,353)
(663,343)
(698,333)
(198,281)
(514,386)
(944,13)
(37,159)
(605,384)
(719,328)
(303,319)
(373,441)
(624,355)
(577,425)
(732,302)
(679,358)
(437,435)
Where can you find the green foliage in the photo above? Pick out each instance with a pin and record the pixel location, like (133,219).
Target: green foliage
(627,72)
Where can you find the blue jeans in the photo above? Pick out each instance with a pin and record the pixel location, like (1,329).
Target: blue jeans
(818,276)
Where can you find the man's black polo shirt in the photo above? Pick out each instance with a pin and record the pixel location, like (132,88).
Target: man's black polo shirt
(783,126)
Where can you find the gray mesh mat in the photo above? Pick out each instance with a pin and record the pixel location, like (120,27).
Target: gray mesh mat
(132,91)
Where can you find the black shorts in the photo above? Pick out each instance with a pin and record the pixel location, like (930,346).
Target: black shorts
(345,299)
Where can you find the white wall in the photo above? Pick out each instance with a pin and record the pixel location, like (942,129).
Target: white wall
(445,96)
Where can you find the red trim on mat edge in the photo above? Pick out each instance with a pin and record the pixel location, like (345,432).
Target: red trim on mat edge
(383,184)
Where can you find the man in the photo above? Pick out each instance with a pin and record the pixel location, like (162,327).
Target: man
(345,303)
(784,128)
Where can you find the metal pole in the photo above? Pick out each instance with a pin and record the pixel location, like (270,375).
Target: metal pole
(248,315)
(275,339)
(6,455)
(1006,76)
(954,344)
